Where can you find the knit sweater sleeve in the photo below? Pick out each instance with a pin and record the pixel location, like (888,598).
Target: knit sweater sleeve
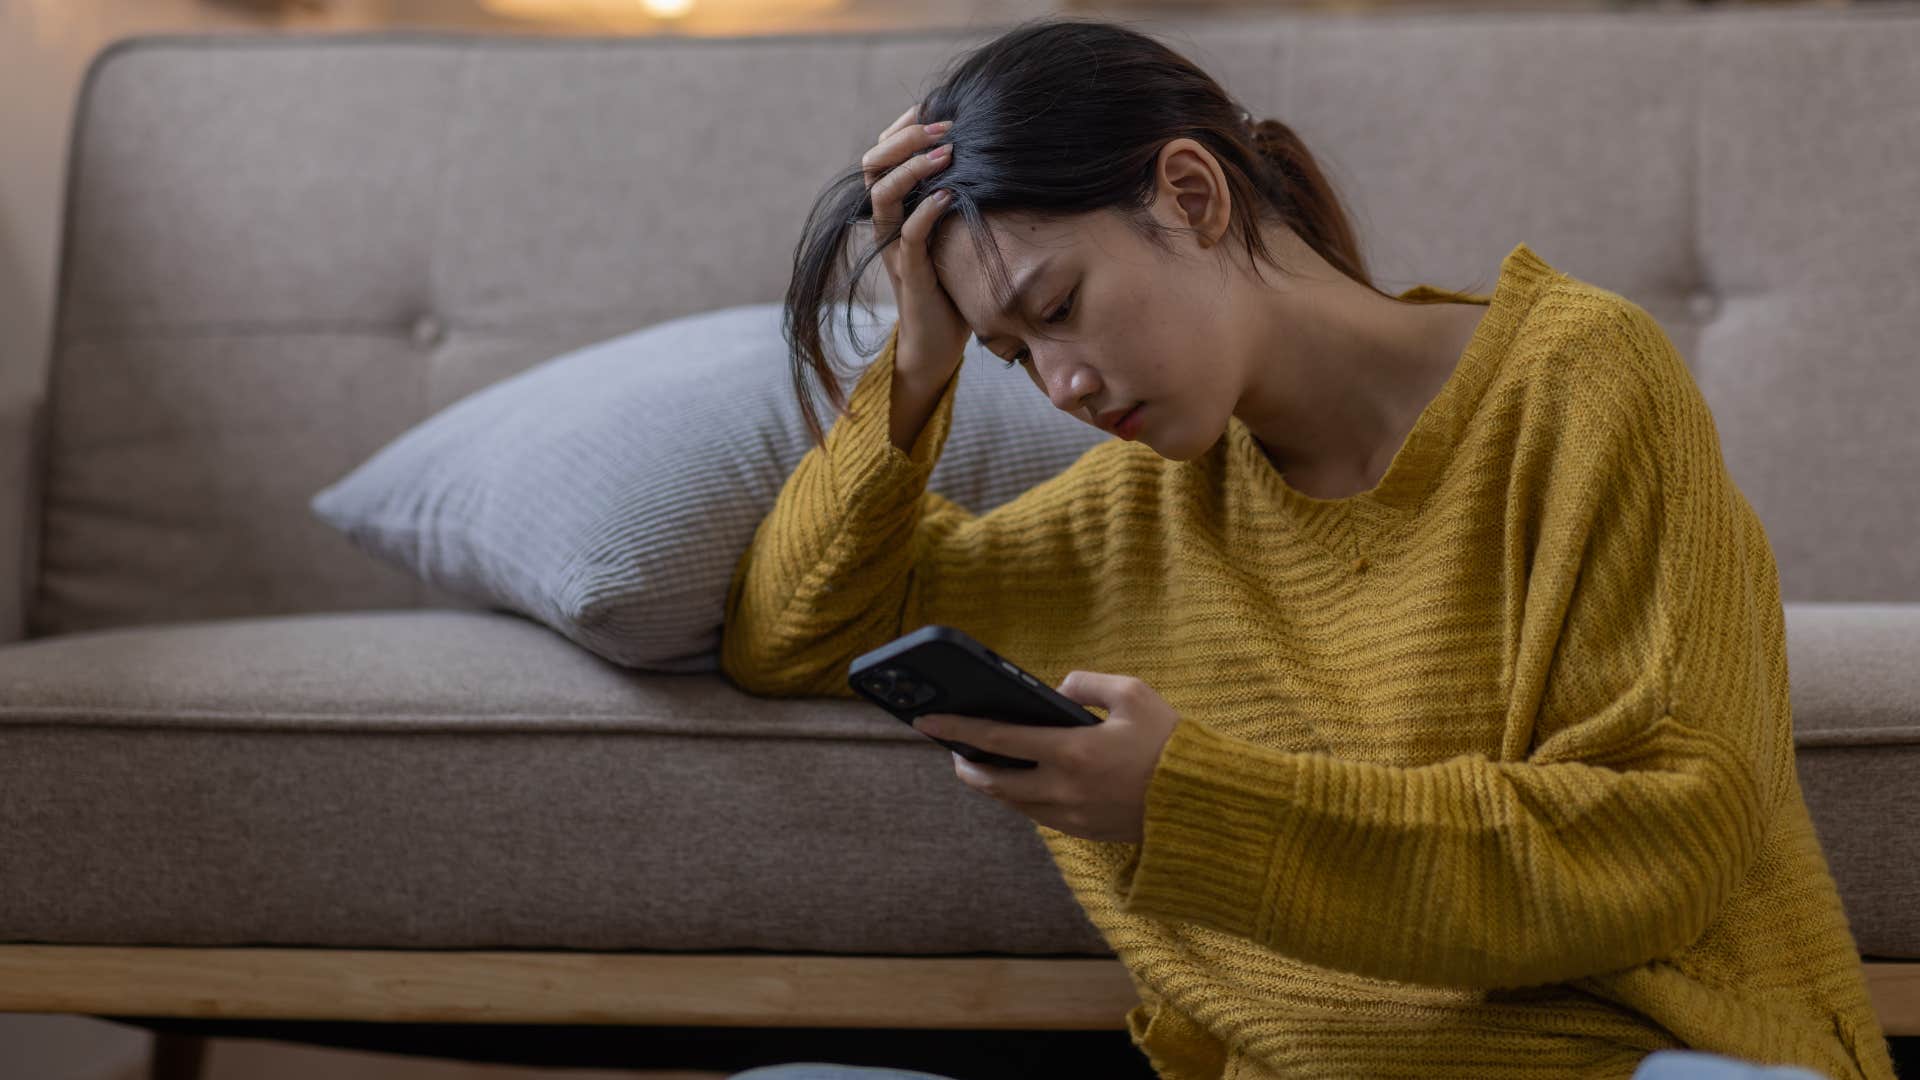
(856,551)
(1655,748)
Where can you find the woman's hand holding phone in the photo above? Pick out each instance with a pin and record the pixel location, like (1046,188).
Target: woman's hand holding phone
(1091,781)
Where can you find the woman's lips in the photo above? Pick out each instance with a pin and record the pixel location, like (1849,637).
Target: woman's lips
(1129,425)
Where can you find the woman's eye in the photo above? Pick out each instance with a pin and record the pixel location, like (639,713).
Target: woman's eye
(1059,315)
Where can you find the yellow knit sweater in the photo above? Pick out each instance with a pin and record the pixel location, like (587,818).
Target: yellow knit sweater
(1485,772)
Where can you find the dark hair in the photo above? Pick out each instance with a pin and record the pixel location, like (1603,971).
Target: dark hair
(1066,116)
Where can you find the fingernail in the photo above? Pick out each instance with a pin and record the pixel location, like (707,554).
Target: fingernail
(940,153)
(935,129)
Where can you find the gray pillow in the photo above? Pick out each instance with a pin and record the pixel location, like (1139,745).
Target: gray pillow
(609,491)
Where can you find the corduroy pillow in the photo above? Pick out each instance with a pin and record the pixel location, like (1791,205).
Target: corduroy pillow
(609,491)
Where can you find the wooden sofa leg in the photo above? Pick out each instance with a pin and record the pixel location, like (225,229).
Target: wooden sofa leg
(176,1057)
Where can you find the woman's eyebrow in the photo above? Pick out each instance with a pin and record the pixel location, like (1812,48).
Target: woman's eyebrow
(1020,289)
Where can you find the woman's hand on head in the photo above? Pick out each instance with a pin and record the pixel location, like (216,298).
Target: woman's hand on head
(932,335)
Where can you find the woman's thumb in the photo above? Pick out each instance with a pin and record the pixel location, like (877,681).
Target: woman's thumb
(1091,688)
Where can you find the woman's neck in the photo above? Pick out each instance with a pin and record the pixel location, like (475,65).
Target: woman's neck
(1339,373)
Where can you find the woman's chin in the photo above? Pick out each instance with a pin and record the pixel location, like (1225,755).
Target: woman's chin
(1173,447)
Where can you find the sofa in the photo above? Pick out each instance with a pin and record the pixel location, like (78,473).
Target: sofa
(252,779)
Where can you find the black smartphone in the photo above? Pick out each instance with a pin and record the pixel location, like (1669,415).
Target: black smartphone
(942,669)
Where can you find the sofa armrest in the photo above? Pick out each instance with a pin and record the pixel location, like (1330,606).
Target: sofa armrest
(22,411)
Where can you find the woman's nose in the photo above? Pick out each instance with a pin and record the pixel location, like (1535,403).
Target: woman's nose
(1071,386)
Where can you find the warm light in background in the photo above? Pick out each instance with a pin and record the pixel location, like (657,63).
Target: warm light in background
(564,9)
(712,15)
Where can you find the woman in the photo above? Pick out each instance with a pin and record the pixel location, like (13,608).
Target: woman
(1446,718)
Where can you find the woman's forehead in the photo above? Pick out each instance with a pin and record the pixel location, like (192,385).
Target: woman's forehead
(1032,253)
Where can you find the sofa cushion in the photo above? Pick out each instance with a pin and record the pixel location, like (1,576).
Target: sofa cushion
(1857,740)
(441,779)
(608,492)
(471,780)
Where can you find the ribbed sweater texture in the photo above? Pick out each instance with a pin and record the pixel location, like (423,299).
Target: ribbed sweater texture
(1484,772)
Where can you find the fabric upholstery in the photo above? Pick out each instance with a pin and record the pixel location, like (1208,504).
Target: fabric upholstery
(442,779)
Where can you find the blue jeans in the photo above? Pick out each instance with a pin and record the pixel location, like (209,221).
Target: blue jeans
(822,1071)
(1659,1065)
(1694,1065)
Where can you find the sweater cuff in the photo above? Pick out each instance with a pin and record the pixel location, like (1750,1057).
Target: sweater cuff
(861,443)
(1213,816)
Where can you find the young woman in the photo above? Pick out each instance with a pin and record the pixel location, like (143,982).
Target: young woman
(1446,729)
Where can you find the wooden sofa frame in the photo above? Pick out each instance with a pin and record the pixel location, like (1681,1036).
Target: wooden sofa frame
(633,989)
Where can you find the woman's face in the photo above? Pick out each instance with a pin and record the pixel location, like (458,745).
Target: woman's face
(1129,322)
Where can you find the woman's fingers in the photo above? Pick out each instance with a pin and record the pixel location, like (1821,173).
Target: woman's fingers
(892,188)
(897,147)
(919,226)
(888,190)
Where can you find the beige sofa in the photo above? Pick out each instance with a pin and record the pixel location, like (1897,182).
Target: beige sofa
(249,775)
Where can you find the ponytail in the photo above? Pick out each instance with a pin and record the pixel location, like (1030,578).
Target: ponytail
(1305,201)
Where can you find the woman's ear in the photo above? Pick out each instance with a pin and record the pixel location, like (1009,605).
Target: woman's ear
(1193,192)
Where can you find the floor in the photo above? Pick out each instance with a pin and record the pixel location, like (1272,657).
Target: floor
(78,1047)
(45,1047)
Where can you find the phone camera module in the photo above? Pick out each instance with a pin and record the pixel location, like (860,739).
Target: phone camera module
(899,687)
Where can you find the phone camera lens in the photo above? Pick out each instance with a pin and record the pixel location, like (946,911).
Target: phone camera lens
(899,686)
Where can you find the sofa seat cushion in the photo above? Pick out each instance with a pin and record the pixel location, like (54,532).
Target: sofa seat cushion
(455,779)
(1855,673)
(458,779)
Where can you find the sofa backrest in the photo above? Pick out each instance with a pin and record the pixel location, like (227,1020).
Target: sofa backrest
(281,251)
